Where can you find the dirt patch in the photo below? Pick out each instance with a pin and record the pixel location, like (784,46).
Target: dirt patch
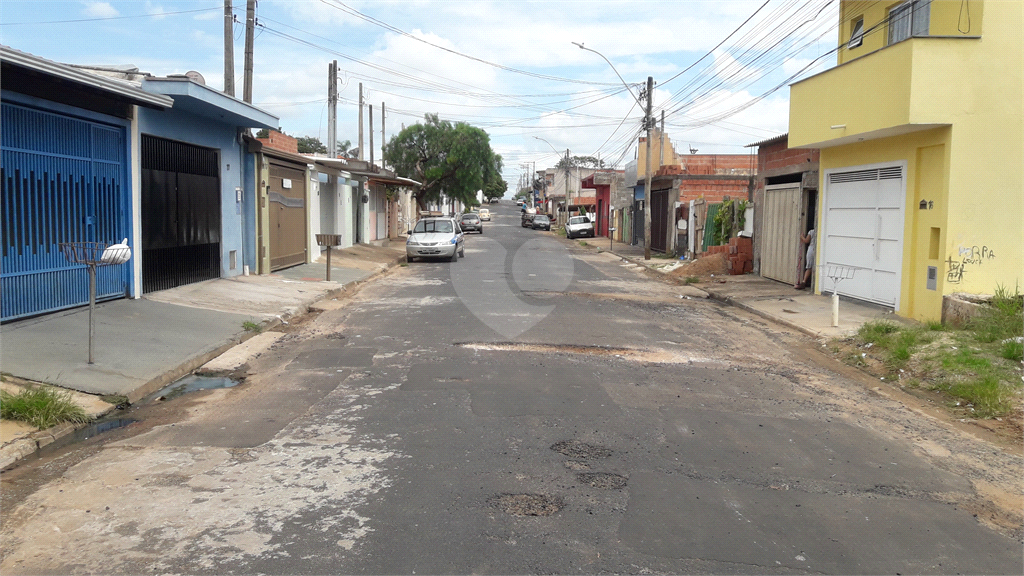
(527,504)
(604,480)
(580,450)
(706,266)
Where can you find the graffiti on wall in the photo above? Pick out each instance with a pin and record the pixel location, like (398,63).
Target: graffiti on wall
(973,255)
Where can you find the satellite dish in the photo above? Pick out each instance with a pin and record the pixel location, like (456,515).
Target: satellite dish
(195,77)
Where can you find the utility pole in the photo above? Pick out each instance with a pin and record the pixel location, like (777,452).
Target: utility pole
(362,150)
(567,175)
(647,173)
(383,135)
(229,50)
(662,162)
(371,134)
(250,27)
(332,109)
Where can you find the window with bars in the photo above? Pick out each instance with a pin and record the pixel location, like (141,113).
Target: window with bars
(909,19)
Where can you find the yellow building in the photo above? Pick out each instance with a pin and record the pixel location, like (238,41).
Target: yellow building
(922,140)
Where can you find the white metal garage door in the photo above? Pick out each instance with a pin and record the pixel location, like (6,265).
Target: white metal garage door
(863,228)
(780,248)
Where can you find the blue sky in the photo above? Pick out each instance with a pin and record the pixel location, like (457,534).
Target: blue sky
(507,67)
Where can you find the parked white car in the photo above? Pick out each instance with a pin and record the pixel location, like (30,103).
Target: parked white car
(436,238)
(579,226)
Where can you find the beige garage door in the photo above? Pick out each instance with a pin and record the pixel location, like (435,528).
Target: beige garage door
(780,250)
(287,216)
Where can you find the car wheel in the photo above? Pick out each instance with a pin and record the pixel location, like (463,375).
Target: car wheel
(462,252)
(455,256)
(410,258)
(481,230)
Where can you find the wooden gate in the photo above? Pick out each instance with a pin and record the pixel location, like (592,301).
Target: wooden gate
(780,243)
(287,215)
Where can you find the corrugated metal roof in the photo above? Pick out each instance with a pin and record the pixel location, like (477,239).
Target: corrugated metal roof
(771,140)
(125,89)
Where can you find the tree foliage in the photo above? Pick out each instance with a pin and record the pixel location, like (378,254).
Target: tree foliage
(311,145)
(454,159)
(580,162)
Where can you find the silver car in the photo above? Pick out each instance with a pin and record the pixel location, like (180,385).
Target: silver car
(436,238)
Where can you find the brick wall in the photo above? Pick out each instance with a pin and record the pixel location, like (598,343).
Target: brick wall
(778,156)
(282,142)
(713,190)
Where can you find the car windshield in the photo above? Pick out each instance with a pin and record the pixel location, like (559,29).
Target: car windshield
(579,220)
(428,226)
(541,219)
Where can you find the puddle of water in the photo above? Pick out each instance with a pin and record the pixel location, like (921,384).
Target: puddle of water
(193,383)
(94,429)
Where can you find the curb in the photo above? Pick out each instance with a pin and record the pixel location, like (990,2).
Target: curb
(11,454)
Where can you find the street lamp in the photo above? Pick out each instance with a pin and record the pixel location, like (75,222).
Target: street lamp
(647,124)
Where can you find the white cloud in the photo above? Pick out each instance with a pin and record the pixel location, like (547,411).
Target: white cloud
(100,10)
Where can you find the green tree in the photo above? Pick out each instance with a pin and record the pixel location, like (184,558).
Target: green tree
(454,159)
(311,145)
(344,149)
(580,162)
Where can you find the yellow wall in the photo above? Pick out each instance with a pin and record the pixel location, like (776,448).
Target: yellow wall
(946,18)
(962,139)
(641,158)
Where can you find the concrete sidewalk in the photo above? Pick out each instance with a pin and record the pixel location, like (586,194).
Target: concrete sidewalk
(801,310)
(142,345)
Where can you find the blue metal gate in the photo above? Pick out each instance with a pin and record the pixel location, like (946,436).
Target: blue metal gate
(62,179)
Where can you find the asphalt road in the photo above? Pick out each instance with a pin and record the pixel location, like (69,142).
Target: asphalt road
(535,407)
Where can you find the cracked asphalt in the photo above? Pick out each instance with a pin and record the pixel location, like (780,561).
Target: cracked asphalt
(533,408)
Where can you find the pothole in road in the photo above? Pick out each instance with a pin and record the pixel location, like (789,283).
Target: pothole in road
(605,480)
(580,450)
(527,504)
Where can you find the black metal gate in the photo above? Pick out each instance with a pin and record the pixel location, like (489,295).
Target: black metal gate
(181,214)
(659,220)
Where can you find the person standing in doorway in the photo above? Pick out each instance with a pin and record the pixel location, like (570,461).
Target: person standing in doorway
(805,279)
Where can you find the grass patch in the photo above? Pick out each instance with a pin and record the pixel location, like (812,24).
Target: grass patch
(897,342)
(560,232)
(986,397)
(934,326)
(1003,319)
(41,407)
(250,326)
(1012,349)
(692,280)
(583,243)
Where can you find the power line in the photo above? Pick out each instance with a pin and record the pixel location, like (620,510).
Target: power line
(99,19)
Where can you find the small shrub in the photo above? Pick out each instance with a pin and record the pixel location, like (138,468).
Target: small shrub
(41,407)
(692,279)
(934,326)
(583,243)
(250,326)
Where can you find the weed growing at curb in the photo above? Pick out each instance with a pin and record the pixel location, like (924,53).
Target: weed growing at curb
(583,243)
(250,326)
(41,407)
(692,280)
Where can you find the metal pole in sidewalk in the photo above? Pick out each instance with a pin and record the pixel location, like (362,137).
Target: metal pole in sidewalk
(329,250)
(92,307)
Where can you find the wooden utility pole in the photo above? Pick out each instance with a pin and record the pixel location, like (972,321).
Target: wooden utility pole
(332,109)
(647,173)
(362,149)
(229,49)
(250,27)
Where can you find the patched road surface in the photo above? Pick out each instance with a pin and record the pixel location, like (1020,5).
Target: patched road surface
(536,407)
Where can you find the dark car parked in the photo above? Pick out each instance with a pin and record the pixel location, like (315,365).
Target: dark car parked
(541,221)
(471,223)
